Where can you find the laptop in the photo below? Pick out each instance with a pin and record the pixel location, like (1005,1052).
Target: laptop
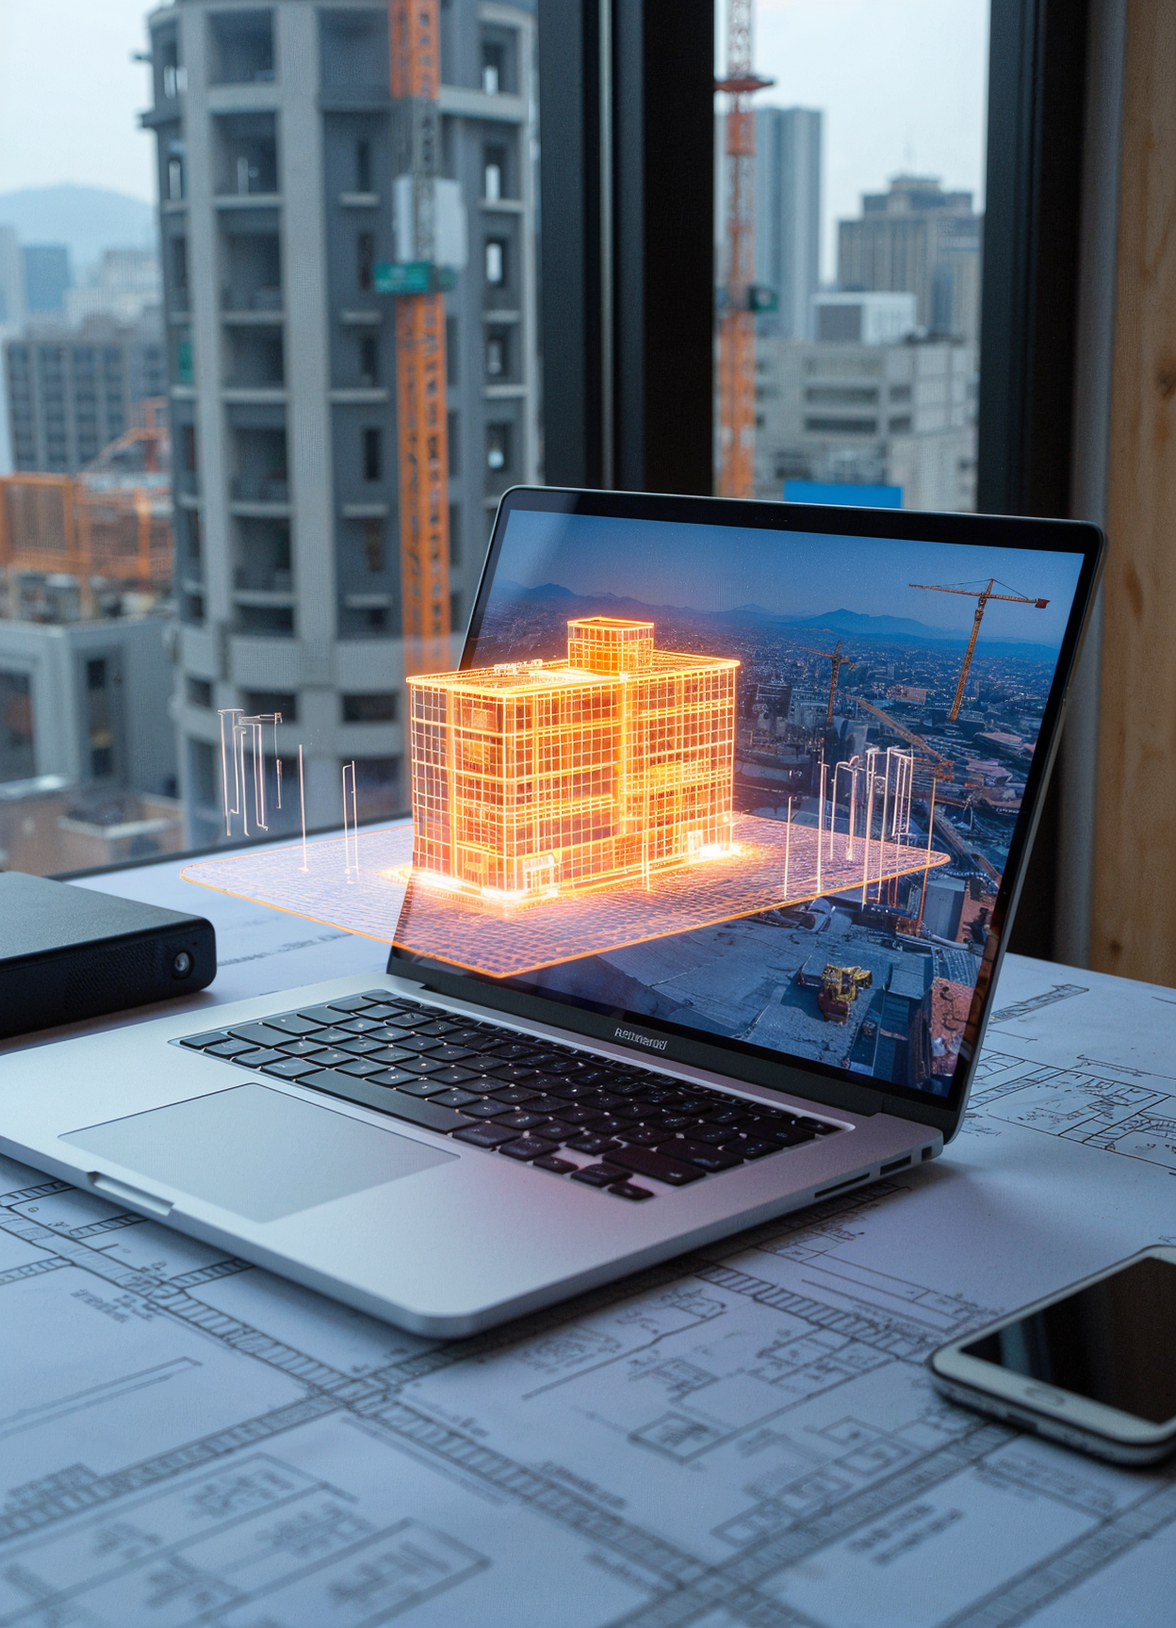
(718,830)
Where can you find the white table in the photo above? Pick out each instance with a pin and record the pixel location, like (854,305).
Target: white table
(745,1436)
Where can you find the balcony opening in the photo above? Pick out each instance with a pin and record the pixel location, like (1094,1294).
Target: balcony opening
(242,48)
(378,707)
(373,455)
(363,165)
(253,272)
(255,359)
(263,557)
(246,154)
(369,361)
(260,460)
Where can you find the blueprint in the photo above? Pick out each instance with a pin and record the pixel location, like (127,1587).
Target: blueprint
(742,1438)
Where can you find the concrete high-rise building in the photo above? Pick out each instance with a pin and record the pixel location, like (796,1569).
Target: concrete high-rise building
(276,173)
(47,276)
(787,212)
(124,285)
(70,392)
(918,239)
(868,414)
(12,278)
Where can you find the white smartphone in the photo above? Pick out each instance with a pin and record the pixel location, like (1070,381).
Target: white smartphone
(1093,1366)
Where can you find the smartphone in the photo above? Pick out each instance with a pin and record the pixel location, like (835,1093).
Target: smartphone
(1093,1366)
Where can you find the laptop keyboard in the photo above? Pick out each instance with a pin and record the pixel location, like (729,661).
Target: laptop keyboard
(571,1113)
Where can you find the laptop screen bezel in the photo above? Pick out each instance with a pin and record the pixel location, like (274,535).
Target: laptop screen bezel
(739,1060)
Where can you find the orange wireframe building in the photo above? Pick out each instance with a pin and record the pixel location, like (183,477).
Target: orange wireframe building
(532,780)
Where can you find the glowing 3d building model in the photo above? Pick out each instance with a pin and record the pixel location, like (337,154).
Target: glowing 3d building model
(534,780)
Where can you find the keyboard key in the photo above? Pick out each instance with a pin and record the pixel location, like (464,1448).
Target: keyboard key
(320,1017)
(558,1167)
(386,1010)
(707,1131)
(795,1138)
(752,1147)
(537,1105)
(259,1034)
(395,1103)
(446,1053)
(510,1073)
(818,1127)
(258,1057)
(484,1108)
(626,1189)
(728,1116)
(608,1126)
(648,1162)
(293,1023)
(297,1048)
(352,1003)
(329,1036)
(519,1120)
(230,1048)
(580,1116)
(359,1025)
(410,1084)
(646,1136)
(527,1148)
(329,1057)
(457,1076)
(292,1068)
(436,1030)
(598,1175)
(483,1136)
(201,1042)
(399,1077)
(421,1044)
(454,1098)
(418,1065)
(710,1159)
(509,1053)
(590,1143)
(360,1069)
(354,1046)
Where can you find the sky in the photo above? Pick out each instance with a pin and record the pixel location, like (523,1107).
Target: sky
(722,568)
(902,83)
(70,95)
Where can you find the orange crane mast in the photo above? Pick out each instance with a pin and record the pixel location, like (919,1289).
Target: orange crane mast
(737,320)
(421,408)
(839,661)
(981,596)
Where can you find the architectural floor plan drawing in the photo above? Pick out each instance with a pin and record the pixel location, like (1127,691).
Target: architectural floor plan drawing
(743,1438)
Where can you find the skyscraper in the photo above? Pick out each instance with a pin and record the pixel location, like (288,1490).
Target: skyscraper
(918,239)
(276,180)
(787,212)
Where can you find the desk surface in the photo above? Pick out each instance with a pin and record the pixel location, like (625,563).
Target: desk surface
(742,1437)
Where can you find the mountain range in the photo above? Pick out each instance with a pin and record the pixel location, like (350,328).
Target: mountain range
(854,624)
(88,220)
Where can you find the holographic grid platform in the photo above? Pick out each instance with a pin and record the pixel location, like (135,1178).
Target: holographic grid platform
(358,885)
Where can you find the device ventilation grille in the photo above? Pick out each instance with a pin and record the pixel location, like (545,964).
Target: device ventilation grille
(101,982)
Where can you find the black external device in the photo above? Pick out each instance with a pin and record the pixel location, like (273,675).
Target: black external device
(68,953)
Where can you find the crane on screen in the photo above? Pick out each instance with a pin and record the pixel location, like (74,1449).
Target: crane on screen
(981,596)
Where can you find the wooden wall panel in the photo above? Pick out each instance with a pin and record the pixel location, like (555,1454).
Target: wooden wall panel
(1133,927)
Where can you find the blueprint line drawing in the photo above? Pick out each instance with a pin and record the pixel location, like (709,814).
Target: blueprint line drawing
(744,1437)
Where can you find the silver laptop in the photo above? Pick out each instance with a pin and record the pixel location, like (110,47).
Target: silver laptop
(718,830)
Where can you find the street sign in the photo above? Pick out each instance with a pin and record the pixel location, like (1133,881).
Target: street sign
(411,277)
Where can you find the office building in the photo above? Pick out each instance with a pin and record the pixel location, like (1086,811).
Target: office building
(123,286)
(47,276)
(787,212)
(70,392)
(885,414)
(276,172)
(865,319)
(916,238)
(12,279)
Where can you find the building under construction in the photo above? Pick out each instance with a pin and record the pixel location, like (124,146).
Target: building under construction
(289,184)
(535,779)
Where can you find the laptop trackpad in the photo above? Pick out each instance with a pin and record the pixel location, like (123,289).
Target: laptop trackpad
(257,1152)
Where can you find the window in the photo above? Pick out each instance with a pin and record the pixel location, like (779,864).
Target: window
(495,262)
(372,455)
(363,165)
(862,253)
(498,447)
(365,259)
(199,692)
(261,702)
(493,174)
(373,546)
(376,708)
(369,359)
(493,67)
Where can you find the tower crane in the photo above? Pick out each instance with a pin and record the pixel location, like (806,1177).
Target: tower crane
(737,320)
(414,44)
(981,596)
(839,661)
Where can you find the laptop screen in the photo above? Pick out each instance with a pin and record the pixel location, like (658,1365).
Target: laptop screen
(750,785)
